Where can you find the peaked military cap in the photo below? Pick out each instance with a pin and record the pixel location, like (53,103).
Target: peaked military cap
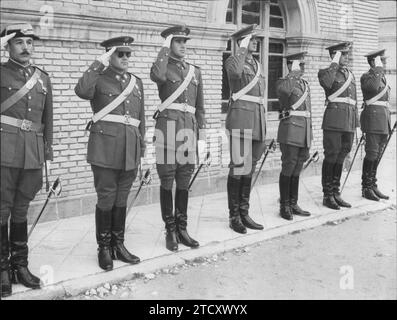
(119,42)
(21,30)
(244,32)
(179,31)
(342,47)
(374,54)
(296,56)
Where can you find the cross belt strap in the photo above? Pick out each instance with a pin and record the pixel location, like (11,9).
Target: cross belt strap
(237,95)
(301,100)
(23,124)
(116,102)
(377,97)
(178,91)
(124,119)
(8,103)
(336,94)
(255,99)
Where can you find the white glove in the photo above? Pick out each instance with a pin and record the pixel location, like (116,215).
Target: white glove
(202,150)
(48,164)
(5,39)
(104,58)
(167,41)
(378,62)
(337,56)
(245,42)
(295,65)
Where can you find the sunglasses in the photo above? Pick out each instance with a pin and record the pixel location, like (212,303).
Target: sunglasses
(121,54)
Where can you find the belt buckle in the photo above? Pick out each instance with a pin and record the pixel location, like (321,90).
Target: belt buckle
(284,114)
(185,105)
(26,125)
(127,118)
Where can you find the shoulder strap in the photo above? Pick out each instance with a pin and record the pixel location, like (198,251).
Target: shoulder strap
(249,86)
(378,96)
(342,88)
(178,91)
(116,102)
(8,103)
(302,99)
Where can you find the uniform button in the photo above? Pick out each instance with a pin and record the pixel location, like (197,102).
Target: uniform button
(101,131)
(29,97)
(89,71)
(161,59)
(9,88)
(110,94)
(128,101)
(30,109)
(123,80)
(127,112)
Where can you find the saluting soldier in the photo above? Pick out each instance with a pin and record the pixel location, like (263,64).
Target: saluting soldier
(116,143)
(340,121)
(179,118)
(375,121)
(246,126)
(294,132)
(26,142)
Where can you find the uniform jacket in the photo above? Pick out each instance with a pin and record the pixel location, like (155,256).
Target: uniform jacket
(168,73)
(338,116)
(294,130)
(244,114)
(26,149)
(375,119)
(113,145)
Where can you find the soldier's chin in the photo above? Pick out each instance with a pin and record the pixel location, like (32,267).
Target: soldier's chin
(22,58)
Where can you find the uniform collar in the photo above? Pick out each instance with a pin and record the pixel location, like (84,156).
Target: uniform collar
(251,60)
(178,62)
(113,73)
(16,65)
(295,74)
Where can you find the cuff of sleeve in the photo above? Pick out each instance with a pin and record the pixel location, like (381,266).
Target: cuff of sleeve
(334,65)
(97,66)
(379,69)
(48,155)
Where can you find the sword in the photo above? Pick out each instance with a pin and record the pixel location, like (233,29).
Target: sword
(387,142)
(272,146)
(47,183)
(144,181)
(207,156)
(50,193)
(351,164)
(314,158)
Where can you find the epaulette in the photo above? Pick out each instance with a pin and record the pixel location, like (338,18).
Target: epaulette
(41,69)
(193,65)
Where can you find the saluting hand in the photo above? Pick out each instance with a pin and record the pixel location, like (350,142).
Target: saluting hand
(167,42)
(378,62)
(337,56)
(245,42)
(104,58)
(295,65)
(5,39)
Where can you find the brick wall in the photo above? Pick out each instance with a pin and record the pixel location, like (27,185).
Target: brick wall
(72,43)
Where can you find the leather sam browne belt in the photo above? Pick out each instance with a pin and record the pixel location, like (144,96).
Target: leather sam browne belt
(254,99)
(380,103)
(23,124)
(124,119)
(184,107)
(287,113)
(344,100)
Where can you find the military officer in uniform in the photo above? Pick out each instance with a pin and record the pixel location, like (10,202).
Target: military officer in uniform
(246,126)
(375,121)
(294,132)
(340,121)
(26,142)
(116,143)
(181,111)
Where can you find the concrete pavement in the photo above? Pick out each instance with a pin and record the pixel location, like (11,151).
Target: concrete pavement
(63,253)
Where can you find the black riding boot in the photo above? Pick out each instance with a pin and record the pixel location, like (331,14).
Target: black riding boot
(119,251)
(337,173)
(374,185)
(366,181)
(245,190)
(293,198)
(181,200)
(103,223)
(285,208)
(5,276)
(233,196)
(168,218)
(19,256)
(327,175)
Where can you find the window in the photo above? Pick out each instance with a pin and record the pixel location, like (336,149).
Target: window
(268,15)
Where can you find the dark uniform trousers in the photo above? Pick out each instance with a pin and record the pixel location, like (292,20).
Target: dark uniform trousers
(374,144)
(337,145)
(292,158)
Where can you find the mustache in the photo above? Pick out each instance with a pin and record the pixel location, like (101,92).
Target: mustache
(25,53)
